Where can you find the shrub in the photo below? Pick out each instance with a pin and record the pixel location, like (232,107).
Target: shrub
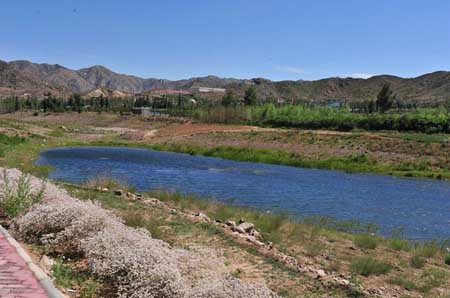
(17,195)
(368,266)
(365,241)
(429,249)
(62,226)
(417,261)
(447,259)
(399,244)
(128,258)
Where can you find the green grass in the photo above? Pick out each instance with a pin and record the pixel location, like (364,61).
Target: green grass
(417,261)
(65,277)
(403,282)
(365,241)
(433,278)
(367,266)
(399,244)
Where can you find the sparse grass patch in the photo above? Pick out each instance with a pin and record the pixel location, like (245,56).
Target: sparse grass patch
(403,282)
(65,277)
(365,241)
(417,261)
(399,244)
(367,266)
(433,278)
(428,249)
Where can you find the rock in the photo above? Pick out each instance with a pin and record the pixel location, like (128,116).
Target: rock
(238,229)
(230,223)
(105,189)
(202,216)
(321,273)
(256,233)
(241,221)
(46,264)
(247,227)
(118,192)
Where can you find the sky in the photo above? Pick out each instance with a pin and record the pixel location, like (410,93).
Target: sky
(274,39)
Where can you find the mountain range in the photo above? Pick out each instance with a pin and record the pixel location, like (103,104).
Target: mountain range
(25,77)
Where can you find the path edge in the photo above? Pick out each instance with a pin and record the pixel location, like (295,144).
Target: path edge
(40,275)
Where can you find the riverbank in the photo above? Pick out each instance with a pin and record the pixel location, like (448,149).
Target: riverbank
(394,266)
(400,154)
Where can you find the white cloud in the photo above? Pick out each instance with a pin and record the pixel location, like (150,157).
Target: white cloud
(291,69)
(361,75)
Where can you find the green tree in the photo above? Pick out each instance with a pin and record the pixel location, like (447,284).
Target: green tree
(228,98)
(16,104)
(78,103)
(385,99)
(250,96)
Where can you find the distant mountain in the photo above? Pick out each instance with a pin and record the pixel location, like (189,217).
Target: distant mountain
(20,76)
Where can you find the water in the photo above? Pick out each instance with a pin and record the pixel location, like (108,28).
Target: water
(421,206)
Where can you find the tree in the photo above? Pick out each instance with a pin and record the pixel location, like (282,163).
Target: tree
(228,98)
(250,96)
(385,99)
(78,103)
(16,104)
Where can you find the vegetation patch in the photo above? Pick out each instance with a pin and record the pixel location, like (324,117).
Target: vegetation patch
(367,266)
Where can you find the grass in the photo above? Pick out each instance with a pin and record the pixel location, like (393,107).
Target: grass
(403,282)
(353,163)
(399,244)
(365,241)
(66,277)
(417,261)
(367,266)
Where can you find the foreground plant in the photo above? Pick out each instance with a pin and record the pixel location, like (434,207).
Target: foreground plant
(17,195)
(136,264)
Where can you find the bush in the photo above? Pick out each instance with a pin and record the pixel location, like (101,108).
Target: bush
(63,225)
(136,264)
(365,241)
(417,261)
(447,259)
(368,266)
(399,244)
(17,195)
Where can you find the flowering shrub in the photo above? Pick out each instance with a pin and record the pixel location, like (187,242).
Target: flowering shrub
(63,225)
(138,265)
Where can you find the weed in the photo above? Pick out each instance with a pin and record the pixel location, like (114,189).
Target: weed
(447,259)
(403,282)
(368,266)
(365,241)
(18,198)
(417,261)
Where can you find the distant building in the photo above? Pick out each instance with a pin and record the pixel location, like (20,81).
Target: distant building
(161,91)
(144,111)
(208,89)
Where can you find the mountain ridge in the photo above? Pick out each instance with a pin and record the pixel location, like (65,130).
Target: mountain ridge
(22,75)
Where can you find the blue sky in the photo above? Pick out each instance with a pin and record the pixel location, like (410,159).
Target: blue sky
(229,38)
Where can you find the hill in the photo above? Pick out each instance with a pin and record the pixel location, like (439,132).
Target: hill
(21,76)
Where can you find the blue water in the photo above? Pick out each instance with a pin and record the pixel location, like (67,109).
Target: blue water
(421,206)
